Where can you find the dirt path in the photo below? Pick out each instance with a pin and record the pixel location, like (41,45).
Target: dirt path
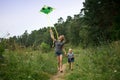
(60,76)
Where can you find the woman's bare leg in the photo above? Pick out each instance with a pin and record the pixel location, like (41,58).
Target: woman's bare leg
(60,60)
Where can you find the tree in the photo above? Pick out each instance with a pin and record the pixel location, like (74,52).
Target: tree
(101,16)
(24,38)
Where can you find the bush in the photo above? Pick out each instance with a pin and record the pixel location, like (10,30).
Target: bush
(98,63)
(28,65)
(2,49)
(44,47)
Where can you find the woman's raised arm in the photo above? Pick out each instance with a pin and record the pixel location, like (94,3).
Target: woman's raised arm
(52,35)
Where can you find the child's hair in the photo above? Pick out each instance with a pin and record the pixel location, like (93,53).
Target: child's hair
(70,49)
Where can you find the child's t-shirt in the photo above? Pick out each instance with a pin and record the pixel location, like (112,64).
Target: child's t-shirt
(70,55)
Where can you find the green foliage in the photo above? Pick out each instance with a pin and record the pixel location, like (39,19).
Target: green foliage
(2,49)
(27,65)
(44,47)
(100,63)
(102,16)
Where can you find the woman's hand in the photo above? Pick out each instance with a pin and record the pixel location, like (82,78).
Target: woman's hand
(65,54)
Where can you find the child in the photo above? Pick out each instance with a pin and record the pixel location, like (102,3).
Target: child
(70,59)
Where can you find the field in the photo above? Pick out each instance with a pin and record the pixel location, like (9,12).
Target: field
(96,63)
(93,63)
(27,65)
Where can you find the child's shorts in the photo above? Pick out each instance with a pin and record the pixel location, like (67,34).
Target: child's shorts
(70,60)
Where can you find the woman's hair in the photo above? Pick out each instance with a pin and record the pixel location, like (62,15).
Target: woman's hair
(63,37)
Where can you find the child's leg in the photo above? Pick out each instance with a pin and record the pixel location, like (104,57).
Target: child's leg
(69,62)
(71,65)
(72,62)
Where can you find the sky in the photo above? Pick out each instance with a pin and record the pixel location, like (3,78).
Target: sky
(16,16)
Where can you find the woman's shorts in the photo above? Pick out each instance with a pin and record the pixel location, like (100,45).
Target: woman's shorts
(70,60)
(58,53)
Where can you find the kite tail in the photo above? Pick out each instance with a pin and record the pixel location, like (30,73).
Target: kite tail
(53,26)
(56,32)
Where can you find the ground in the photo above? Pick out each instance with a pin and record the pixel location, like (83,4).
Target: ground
(59,75)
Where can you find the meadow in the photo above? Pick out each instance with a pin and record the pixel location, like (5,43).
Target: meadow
(96,63)
(26,64)
(92,63)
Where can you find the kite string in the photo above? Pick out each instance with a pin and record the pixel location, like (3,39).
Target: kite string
(49,21)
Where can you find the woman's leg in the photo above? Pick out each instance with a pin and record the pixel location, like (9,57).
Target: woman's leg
(60,60)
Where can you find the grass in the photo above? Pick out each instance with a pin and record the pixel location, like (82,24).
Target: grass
(28,65)
(98,63)
(93,63)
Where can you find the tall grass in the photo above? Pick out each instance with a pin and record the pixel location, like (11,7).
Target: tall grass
(94,63)
(28,65)
(98,63)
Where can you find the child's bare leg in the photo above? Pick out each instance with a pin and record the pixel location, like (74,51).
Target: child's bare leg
(71,65)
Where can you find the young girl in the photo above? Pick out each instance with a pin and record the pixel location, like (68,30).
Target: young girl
(58,48)
(70,59)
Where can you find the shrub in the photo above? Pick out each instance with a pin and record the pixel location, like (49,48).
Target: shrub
(28,65)
(2,49)
(98,63)
(44,47)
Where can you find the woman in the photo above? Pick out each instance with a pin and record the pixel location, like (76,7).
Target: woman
(58,48)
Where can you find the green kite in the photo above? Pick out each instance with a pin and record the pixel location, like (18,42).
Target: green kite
(46,9)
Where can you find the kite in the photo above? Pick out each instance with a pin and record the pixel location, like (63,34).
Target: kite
(46,10)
